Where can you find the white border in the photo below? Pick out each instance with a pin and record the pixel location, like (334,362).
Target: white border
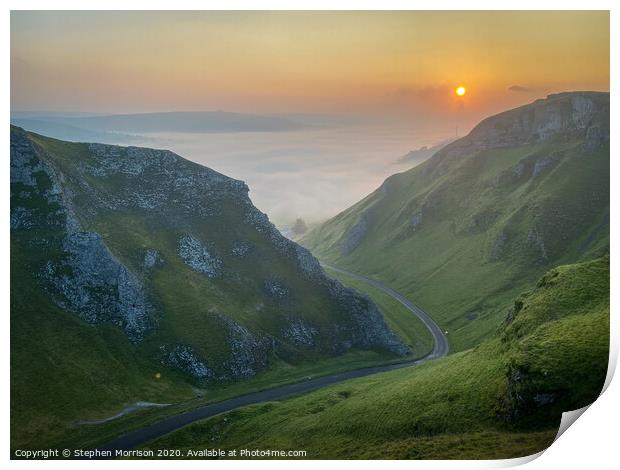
(589,443)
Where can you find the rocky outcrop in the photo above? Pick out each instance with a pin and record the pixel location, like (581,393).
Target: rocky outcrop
(86,279)
(198,257)
(499,244)
(152,258)
(153,181)
(308,264)
(33,180)
(241,248)
(355,235)
(541,164)
(368,329)
(300,334)
(276,289)
(247,355)
(541,120)
(534,236)
(416,219)
(184,358)
(558,114)
(21,218)
(248,352)
(481,221)
(92,283)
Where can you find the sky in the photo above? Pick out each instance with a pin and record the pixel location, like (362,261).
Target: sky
(396,70)
(344,62)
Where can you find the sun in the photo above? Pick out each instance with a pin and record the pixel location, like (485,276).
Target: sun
(460,90)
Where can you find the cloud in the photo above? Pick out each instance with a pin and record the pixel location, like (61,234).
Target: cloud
(520,89)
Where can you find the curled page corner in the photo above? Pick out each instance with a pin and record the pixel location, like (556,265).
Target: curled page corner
(568,418)
(517,461)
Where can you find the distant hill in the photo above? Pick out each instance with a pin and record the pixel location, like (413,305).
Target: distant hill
(123,125)
(212,121)
(415,157)
(70,130)
(487,215)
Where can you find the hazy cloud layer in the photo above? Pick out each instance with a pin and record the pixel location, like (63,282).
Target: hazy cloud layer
(519,88)
(312,174)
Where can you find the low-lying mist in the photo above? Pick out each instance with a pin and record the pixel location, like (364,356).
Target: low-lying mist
(296,166)
(313,174)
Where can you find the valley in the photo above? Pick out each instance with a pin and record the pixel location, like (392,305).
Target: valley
(502,399)
(139,276)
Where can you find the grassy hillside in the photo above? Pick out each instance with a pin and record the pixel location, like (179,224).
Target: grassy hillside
(467,230)
(502,399)
(137,275)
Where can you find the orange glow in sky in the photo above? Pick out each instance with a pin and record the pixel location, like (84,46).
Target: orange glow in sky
(347,61)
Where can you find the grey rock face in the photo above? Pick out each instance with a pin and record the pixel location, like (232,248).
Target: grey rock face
(355,235)
(583,107)
(241,248)
(262,224)
(368,328)
(541,120)
(24,161)
(518,170)
(542,399)
(93,284)
(300,334)
(308,263)
(151,258)
(248,353)
(557,115)
(184,358)
(416,220)
(276,289)
(21,218)
(87,279)
(130,161)
(541,164)
(498,246)
(536,238)
(596,136)
(481,221)
(197,257)
(156,180)
(27,171)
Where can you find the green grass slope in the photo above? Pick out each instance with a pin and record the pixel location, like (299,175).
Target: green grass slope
(502,399)
(480,221)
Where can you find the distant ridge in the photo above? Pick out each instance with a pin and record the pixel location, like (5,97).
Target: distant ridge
(120,127)
(422,154)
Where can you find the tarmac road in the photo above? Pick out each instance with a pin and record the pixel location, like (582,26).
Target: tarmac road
(146,434)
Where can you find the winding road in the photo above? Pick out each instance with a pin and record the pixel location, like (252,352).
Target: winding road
(142,436)
(440,340)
